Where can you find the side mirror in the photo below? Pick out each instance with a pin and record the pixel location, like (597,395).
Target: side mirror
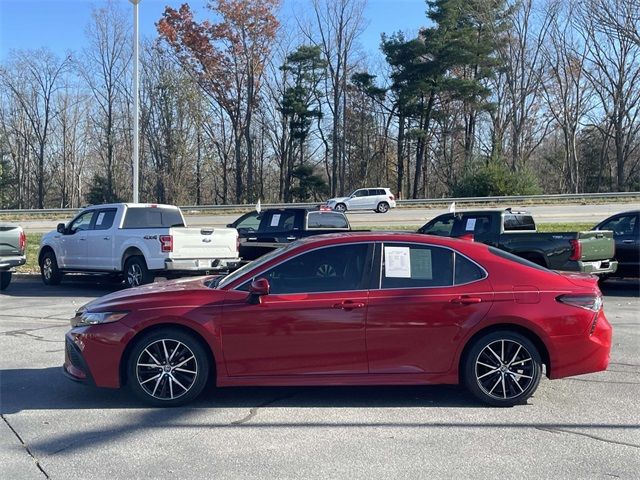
(61,228)
(258,289)
(229,225)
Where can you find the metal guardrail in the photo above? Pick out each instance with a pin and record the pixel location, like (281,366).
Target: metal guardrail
(412,202)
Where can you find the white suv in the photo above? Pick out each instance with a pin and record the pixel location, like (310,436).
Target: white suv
(377,199)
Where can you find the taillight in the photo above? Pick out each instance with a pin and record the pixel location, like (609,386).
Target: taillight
(166,243)
(238,245)
(576,250)
(391,197)
(588,302)
(22,242)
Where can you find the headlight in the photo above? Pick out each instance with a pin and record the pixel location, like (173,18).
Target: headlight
(94,318)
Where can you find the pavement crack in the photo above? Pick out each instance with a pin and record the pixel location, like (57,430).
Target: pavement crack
(254,410)
(26,447)
(588,435)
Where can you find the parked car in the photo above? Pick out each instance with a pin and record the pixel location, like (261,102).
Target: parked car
(138,241)
(515,232)
(377,199)
(262,232)
(626,233)
(13,244)
(369,308)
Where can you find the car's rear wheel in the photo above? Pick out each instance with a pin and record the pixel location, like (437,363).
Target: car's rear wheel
(49,270)
(502,368)
(5,280)
(383,207)
(340,207)
(167,368)
(136,272)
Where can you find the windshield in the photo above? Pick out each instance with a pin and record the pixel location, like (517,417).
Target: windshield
(251,266)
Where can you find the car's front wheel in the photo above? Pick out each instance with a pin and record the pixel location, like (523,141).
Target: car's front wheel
(49,271)
(167,368)
(340,207)
(502,368)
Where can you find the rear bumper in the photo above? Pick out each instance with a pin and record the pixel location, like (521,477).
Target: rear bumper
(585,353)
(599,267)
(200,264)
(7,263)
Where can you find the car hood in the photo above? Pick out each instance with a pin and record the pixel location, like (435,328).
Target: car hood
(160,294)
(338,199)
(47,237)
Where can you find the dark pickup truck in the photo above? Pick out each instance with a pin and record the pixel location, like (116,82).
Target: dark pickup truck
(12,251)
(515,232)
(262,232)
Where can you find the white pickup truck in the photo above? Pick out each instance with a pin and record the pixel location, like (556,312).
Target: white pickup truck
(138,241)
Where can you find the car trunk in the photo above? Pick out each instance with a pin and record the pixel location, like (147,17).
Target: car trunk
(10,241)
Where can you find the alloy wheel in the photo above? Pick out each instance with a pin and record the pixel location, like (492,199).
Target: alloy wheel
(166,369)
(47,268)
(504,369)
(325,271)
(134,275)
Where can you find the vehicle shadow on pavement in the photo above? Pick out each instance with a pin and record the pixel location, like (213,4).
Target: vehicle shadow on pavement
(73,286)
(48,389)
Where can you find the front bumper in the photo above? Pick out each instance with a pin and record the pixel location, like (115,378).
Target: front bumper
(93,353)
(7,263)
(201,264)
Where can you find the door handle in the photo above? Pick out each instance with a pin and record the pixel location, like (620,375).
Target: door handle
(82,239)
(291,239)
(252,239)
(466,300)
(106,238)
(627,241)
(348,305)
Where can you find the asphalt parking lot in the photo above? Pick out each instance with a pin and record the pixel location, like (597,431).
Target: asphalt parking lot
(581,427)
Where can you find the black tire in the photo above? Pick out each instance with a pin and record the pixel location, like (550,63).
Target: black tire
(340,207)
(383,207)
(5,280)
(492,378)
(164,382)
(49,271)
(136,272)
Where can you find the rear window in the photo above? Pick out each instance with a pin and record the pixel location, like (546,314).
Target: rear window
(152,217)
(466,271)
(518,222)
(515,258)
(326,220)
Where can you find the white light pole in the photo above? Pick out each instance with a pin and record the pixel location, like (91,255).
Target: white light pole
(136,106)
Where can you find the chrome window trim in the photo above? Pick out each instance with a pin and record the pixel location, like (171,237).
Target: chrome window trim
(455,252)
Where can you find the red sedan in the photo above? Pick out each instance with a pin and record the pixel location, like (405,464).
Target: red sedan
(348,309)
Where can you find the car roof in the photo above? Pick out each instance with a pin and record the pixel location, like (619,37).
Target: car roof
(382,236)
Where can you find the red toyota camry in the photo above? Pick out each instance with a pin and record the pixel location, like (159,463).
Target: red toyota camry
(349,309)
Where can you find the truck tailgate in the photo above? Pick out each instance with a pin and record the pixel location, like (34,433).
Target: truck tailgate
(10,240)
(597,245)
(193,242)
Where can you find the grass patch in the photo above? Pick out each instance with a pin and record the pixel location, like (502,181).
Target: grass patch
(565,227)
(33,246)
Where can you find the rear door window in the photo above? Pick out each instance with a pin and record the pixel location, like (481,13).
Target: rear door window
(416,266)
(104,219)
(476,224)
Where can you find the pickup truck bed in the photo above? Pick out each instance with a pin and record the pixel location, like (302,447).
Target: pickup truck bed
(515,232)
